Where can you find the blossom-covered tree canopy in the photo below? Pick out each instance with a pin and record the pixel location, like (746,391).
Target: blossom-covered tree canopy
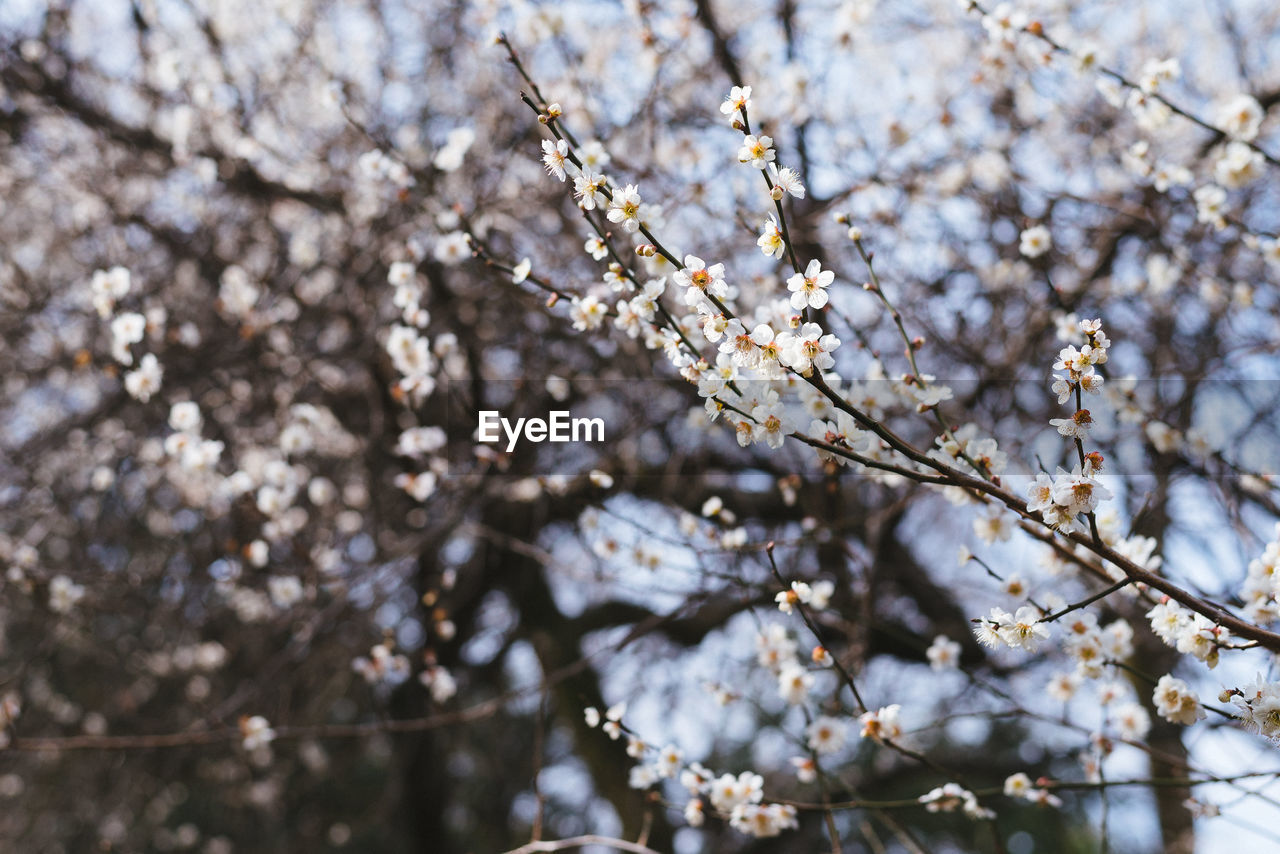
(678,426)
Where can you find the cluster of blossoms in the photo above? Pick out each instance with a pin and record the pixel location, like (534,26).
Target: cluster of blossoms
(381,666)
(1238,117)
(1077,366)
(882,724)
(1238,163)
(663,764)
(1261,589)
(64,594)
(1064,497)
(1190,633)
(817,595)
(411,355)
(255,732)
(419,443)
(765,345)
(951,797)
(1259,706)
(607,547)
(739,798)
(591,188)
(377,166)
(612,719)
(185,445)
(439,682)
(760,354)
(1019,786)
(238,295)
(636,315)
(736,798)
(419,361)
(1022,630)
(408,294)
(106,288)
(1176,702)
(763,820)
(1093,647)
(964,448)
(778,653)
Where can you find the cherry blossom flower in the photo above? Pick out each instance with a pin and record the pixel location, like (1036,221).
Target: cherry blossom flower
(810,288)
(699,280)
(587,313)
(739,99)
(255,732)
(757,151)
(772,423)
(825,735)
(771,241)
(1040,493)
(107,287)
(943,653)
(763,820)
(1078,493)
(786,180)
(589,189)
(1034,242)
(728,791)
(1176,702)
(624,208)
(596,248)
(64,594)
(145,380)
(881,724)
(555,157)
(952,796)
(807,349)
(1211,201)
(1259,706)
(1238,166)
(1241,117)
(794,683)
(381,666)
